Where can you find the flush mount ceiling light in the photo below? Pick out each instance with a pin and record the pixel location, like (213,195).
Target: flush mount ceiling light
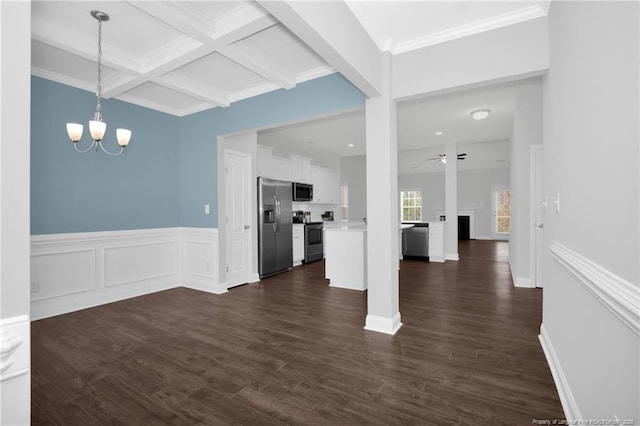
(480,114)
(351,145)
(97,127)
(439,133)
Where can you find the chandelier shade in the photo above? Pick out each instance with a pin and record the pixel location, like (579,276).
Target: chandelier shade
(97,127)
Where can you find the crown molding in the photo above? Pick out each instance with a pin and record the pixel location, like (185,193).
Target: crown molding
(315,73)
(499,21)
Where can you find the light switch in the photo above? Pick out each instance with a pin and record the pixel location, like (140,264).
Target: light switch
(207,210)
(557,203)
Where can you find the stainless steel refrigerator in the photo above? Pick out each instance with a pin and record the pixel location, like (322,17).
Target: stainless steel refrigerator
(275,239)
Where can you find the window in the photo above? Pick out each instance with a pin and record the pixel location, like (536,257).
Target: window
(344,201)
(411,206)
(503,211)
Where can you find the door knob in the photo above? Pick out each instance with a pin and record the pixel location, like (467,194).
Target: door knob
(246,227)
(541,225)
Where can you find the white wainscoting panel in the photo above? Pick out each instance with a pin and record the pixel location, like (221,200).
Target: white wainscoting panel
(621,297)
(55,274)
(80,270)
(200,250)
(139,262)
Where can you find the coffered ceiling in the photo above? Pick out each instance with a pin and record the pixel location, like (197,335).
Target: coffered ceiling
(176,57)
(182,57)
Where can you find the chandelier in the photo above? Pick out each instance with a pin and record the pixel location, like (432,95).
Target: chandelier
(97,127)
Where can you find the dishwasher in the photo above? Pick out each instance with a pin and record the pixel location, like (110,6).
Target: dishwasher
(415,242)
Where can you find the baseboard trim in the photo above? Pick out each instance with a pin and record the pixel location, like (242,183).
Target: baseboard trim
(383,324)
(568,402)
(208,286)
(453,256)
(619,296)
(520,282)
(52,307)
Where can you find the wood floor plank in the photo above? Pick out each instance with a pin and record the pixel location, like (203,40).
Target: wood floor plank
(292,350)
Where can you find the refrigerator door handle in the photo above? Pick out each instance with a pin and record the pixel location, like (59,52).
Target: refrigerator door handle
(274,224)
(278,213)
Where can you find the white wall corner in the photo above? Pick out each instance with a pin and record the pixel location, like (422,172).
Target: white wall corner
(569,405)
(452,256)
(521,282)
(382,324)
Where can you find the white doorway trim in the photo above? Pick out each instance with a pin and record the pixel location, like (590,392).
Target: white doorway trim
(537,206)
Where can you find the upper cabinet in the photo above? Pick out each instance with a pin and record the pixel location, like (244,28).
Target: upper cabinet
(300,168)
(282,169)
(264,161)
(325,185)
(296,168)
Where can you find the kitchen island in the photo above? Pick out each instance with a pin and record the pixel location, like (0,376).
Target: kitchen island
(345,246)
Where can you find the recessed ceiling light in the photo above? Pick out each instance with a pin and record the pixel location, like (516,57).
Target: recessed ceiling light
(351,145)
(439,133)
(480,114)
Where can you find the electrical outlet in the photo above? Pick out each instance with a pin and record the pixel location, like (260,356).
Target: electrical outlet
(35,286)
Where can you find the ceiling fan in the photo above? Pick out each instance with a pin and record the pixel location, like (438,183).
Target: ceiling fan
(443,157)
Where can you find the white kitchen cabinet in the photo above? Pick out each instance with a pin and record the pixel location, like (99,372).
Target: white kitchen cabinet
(325,185)
(282,168)
(300,168)
(317,179)
(298,243)
(331,186)
(264,161)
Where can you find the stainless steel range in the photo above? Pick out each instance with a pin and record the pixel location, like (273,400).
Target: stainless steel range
(313,242)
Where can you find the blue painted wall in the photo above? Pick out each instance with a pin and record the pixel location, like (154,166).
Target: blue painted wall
(199,133)
(169,171)
(72,192)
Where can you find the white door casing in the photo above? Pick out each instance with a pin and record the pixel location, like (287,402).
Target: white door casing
(538,208)
(238,217)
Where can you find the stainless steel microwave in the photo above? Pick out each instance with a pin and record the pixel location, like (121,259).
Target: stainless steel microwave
(302,191)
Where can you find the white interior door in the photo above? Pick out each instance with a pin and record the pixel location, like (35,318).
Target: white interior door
(238,217)
(538,207)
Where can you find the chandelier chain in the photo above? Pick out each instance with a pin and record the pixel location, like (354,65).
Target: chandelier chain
(99,88)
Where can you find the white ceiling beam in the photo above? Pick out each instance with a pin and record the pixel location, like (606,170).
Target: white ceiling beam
(334,33)
(257,62)
(214,97)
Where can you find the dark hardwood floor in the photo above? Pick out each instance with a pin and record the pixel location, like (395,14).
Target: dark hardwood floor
(291,350)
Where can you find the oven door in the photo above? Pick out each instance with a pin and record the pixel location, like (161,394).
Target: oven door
(313,245)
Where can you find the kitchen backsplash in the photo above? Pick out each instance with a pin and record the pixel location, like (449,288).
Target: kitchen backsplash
(317,210)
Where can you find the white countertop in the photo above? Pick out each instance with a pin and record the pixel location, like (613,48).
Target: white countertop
(355,226)
(345,226)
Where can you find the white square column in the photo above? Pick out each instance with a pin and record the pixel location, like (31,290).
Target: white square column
(383,205)
(15,148)
(451,202)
